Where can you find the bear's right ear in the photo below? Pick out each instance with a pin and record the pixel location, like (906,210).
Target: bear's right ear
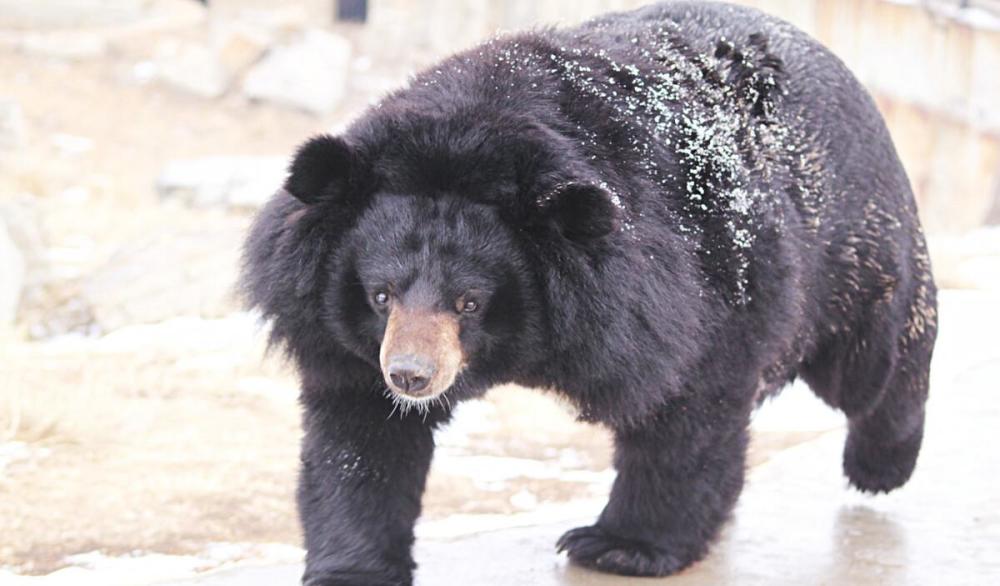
(580,211)
(321,169)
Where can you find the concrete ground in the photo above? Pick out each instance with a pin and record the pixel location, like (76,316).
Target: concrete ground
(797,522)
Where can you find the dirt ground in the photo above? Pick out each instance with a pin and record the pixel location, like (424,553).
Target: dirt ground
(170,437)
(151,444)
(152,447)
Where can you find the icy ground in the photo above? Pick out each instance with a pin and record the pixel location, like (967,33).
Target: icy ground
(797,522)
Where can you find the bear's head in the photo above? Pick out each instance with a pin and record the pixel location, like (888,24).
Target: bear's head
(438,288)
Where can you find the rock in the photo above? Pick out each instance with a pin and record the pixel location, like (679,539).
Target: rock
(993,217)
(239,46)
(209,70)
(69,45)
(73,316)
(11,123)
(141,73)
(71,144)
(193,68)
(187,273)
(11,276)
(36,14)
(239,182)
(23,264)
(309,74)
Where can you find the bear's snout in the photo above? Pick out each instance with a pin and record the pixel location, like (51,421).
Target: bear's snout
(410,374)
(421,353)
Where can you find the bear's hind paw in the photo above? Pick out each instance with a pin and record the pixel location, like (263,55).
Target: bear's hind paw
(593,547)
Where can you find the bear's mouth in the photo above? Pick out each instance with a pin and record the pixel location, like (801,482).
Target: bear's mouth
(421,354)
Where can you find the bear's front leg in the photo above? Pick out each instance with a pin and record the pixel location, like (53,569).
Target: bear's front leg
(679,475)
(362,476)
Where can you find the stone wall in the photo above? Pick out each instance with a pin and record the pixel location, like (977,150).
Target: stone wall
(932,67)
(935,72)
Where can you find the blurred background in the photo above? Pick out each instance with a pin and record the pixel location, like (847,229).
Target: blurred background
(143,434)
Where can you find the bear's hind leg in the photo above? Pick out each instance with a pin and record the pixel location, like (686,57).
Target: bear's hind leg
(883,444)
(679,476)
(882,448)
(879,379)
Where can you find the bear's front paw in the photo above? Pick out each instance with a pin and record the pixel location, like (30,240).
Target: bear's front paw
(593,547)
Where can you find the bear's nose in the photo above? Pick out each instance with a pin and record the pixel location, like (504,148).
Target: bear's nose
(410,374)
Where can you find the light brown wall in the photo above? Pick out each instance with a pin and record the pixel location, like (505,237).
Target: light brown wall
(935,75)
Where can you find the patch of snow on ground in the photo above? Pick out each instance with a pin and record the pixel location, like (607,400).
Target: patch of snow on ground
(469,417)
(796,408)
(499,468)
(11,452)
(201,334)
(97,569)
(461,525)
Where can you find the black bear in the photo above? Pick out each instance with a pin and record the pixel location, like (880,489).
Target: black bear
(664,215)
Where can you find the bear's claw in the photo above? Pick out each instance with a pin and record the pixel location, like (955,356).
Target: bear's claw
(593,547)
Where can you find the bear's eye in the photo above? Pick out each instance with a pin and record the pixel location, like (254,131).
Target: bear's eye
(468,302)
(380,298)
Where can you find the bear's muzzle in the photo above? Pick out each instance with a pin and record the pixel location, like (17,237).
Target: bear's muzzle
(421,353)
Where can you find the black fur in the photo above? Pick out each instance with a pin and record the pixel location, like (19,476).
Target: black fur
(665,215)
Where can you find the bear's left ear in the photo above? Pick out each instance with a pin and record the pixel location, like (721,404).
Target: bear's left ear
(580,211)
(321,169)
